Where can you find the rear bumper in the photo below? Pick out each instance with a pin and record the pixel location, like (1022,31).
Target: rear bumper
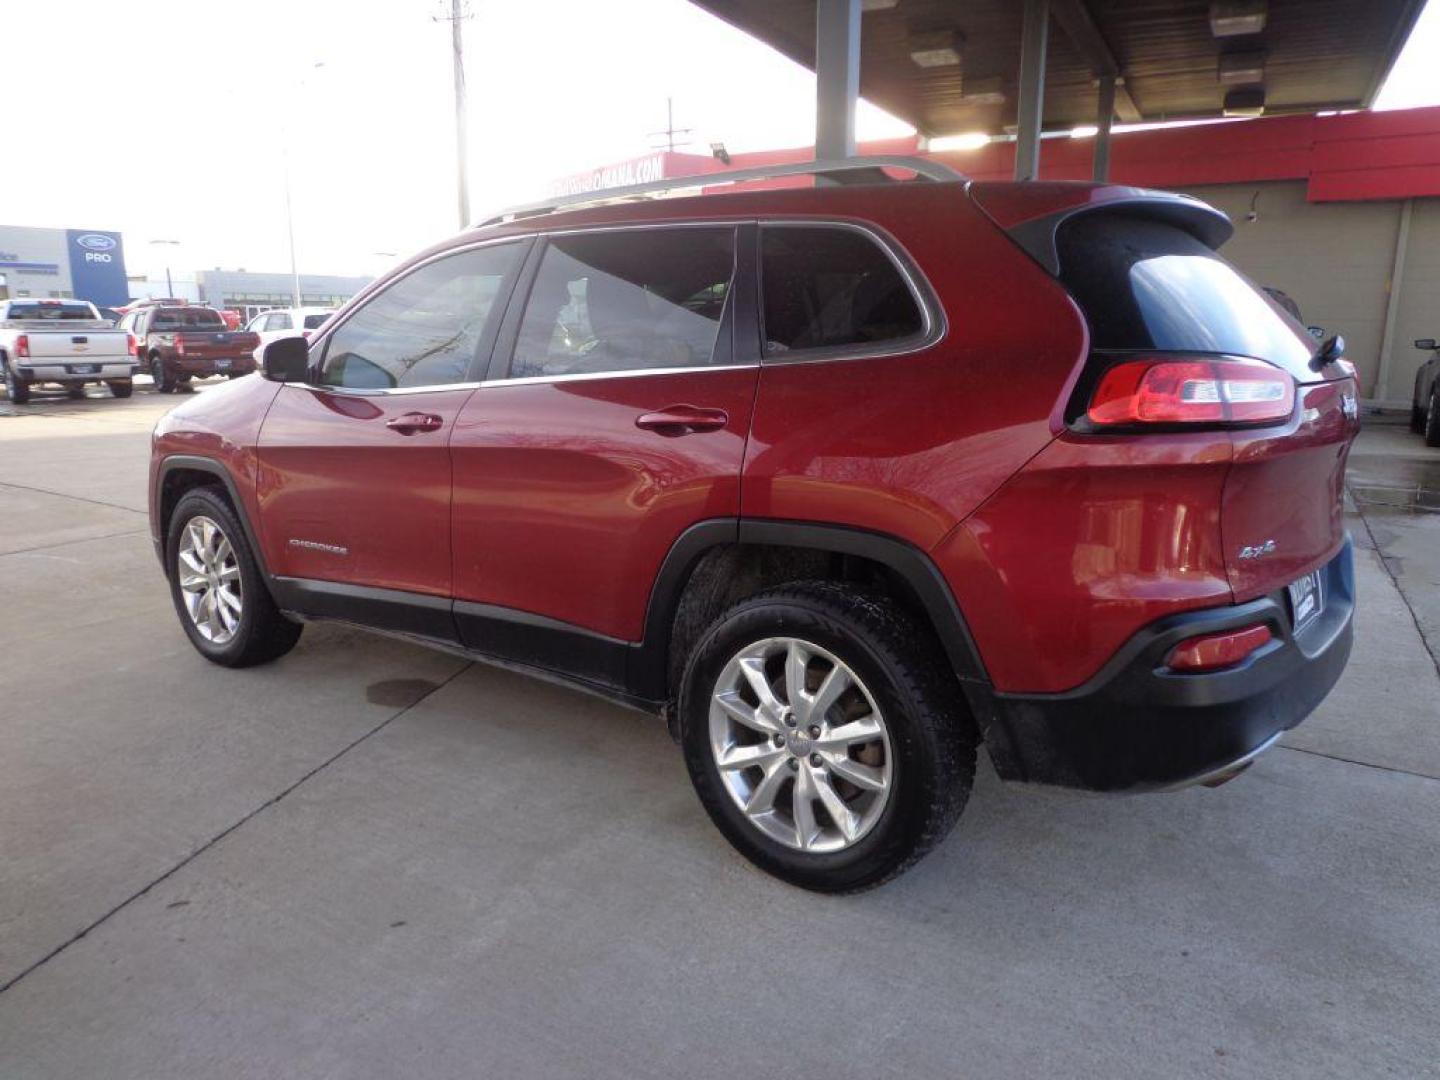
(74,372)
(1138,725)
(242,364)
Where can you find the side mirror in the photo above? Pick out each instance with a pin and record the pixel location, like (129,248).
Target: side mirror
(287,360)
(1425,343)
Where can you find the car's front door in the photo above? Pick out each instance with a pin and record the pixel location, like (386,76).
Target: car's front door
(355,477)
(619,421)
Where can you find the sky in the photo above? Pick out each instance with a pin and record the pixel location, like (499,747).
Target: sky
(169,120)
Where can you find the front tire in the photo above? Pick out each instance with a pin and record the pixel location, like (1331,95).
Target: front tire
(218,590)
(121,388)
(825,735)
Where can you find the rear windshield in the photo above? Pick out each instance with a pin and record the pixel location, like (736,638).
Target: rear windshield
(314,322)
(1148,285)
(51,311)
(188,318)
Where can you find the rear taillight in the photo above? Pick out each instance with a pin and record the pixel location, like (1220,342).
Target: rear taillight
(132,345)
(306,333)
(1192,391)
(22,345)
(1215,651)
(179,344)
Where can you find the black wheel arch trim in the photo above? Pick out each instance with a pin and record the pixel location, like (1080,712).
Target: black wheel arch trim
(196,463)
(648,674)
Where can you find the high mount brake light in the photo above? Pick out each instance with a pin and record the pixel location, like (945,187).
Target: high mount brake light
(1192,392)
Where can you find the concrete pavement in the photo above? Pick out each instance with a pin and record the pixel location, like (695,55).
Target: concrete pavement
(371,860)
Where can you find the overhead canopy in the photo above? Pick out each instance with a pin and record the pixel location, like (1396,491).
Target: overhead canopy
(1308,55)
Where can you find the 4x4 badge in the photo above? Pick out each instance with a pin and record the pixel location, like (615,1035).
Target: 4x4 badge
(1254,551)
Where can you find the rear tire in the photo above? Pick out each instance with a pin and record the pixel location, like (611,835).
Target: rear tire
(1417,419)
(164,382)
(16,388)
(899,728)
(239,624)
(121,388)
(75,393)
(1432,418)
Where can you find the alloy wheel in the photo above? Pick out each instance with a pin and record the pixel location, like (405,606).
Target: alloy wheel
(209,577)
(800,744)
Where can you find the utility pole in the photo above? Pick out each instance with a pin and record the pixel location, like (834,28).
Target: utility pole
(462,156)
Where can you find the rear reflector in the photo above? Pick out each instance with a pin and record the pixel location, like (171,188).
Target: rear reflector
(1215,651)
(1192,392)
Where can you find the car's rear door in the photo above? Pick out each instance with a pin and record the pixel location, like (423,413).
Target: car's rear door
(617,418)
(355,469)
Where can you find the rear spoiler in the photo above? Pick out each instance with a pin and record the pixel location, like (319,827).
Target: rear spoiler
(1037,233)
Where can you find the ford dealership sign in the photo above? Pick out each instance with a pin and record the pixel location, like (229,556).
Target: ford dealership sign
(97,267)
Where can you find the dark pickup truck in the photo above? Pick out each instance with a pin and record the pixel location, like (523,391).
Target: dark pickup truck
(177,344)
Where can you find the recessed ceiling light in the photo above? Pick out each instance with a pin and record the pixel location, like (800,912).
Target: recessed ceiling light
(1242,68)
(1245,101)
(1231,18)
(940,48)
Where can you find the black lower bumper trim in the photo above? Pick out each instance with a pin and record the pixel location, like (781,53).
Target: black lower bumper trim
(1139,725)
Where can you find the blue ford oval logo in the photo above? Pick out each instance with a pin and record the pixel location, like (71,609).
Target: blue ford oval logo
(96,241)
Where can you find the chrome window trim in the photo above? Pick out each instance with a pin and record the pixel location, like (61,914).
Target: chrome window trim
(627,373)
(363,391)
(935,330)
(936,326)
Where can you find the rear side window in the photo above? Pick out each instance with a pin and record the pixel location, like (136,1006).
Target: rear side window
(1149,285)
(187,318)
(425,328)
(314,322)
(627,300)
(278,321)
(57,312)
(828,287)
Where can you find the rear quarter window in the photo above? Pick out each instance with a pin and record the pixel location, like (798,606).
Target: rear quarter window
(829,287)
(1148,285)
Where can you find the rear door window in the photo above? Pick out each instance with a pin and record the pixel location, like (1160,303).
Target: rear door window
(1148,285)
(625,300)
(830,287)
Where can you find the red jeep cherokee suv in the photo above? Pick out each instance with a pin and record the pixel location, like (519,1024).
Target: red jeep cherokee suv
(843,481)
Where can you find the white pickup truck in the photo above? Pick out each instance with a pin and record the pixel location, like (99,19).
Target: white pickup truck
(64,342)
